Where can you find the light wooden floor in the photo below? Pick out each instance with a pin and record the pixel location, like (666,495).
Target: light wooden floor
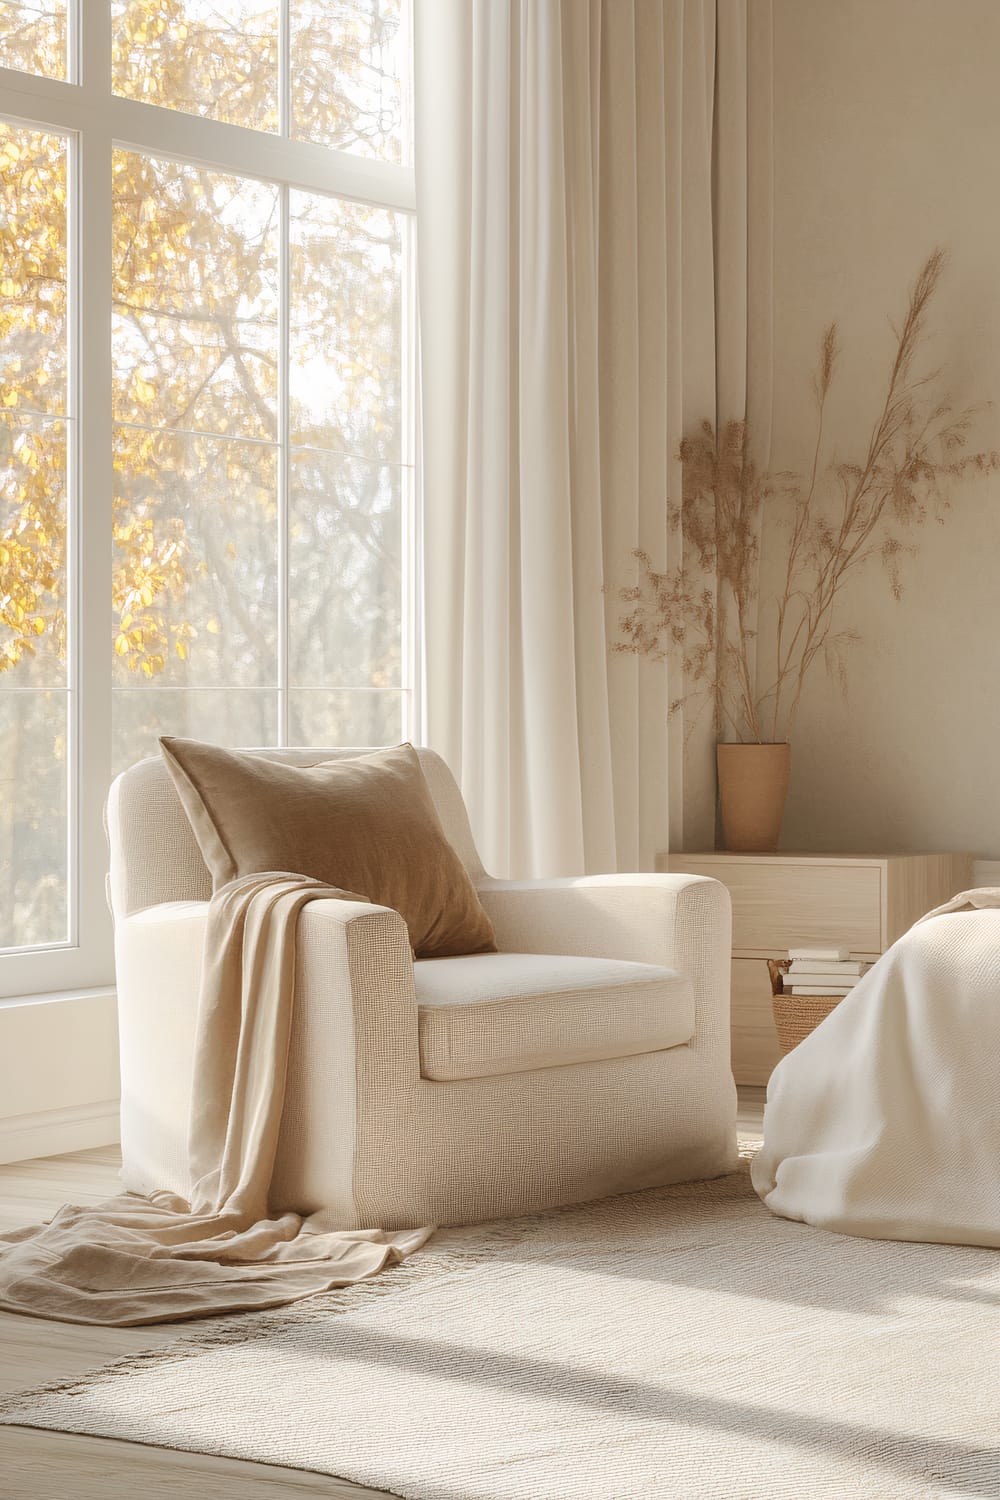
(38,1465)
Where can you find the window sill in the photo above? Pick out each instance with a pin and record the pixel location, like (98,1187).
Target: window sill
(50,997)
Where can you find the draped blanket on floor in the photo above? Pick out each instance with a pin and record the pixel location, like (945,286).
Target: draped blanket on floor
(885,1121)
(134,1260)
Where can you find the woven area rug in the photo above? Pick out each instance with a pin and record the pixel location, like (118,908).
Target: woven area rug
(679,1342)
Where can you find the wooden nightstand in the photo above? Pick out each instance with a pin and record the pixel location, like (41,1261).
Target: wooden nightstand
(861,901)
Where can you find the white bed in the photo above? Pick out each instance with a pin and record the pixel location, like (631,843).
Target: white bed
(885,1121)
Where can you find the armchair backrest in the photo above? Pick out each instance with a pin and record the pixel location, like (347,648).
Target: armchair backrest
(154,856)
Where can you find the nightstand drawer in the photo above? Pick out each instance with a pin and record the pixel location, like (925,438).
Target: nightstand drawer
(778,905)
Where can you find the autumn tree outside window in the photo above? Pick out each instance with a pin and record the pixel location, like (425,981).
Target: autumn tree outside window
(207,391)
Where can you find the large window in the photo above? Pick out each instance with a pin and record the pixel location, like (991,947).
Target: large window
(206,411)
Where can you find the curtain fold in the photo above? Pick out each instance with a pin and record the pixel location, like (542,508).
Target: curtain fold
(582,189)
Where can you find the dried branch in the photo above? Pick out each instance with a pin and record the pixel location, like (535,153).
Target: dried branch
(838,519)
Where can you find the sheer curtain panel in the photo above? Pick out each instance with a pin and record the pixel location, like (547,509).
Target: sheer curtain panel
(588,286)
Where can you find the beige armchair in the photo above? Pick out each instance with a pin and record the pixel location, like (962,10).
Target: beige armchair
(589,1056)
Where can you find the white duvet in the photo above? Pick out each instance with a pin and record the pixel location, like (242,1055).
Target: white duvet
(885,1121)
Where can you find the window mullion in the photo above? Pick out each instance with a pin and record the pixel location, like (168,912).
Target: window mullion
(284,298)
(284,457)
(92,550)
(94,55)
(410,582)
(284,68)
(74,41)
(254,153)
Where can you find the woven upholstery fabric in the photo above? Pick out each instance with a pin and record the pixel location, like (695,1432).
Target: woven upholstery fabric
(363,1134)
(158,954)
(128,1260)
(367,1137)
(510,1012)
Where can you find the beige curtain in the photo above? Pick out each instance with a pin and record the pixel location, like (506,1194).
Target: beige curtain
(587,282)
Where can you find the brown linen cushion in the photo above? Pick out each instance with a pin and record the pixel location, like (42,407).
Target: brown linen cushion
(366,824)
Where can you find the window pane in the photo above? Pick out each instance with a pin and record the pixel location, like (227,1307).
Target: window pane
(350,76)
(195,561)
(196,294)
(32,270)
(34,701)
(33,733)
(345,560)
(33,36)
(32,552)
(33,848)
(346,340)
(224,717)
(204,57)
(357,719)
(196,515)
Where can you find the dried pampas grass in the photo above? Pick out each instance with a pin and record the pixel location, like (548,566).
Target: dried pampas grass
(703,613)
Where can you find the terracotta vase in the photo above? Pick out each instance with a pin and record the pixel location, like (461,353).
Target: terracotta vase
(753,784)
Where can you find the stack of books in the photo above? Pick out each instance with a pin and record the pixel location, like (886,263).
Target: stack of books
(822,971)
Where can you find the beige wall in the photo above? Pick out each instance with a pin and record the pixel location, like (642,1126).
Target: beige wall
(887,143)
(59,1082)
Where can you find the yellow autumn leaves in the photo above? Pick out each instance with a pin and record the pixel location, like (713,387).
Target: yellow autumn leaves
(194,277)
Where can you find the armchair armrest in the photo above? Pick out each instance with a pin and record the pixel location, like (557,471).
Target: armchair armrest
(682,922)
(354,1026)
(651,919)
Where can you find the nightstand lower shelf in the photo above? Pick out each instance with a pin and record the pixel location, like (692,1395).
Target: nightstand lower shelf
(754,1040)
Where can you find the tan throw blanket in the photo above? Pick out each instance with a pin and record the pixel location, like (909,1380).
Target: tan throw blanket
(885,1121)
(134,1260)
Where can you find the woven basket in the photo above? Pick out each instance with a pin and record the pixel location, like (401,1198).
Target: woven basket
(795,1015)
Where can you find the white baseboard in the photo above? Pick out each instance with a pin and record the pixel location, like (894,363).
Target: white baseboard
(52,1132)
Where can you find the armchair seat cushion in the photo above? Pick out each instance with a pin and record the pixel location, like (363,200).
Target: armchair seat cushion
(493,1013)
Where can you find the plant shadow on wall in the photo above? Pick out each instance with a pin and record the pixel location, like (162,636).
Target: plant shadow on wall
(748,657)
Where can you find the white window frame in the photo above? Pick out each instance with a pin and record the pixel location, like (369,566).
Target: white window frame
(96,122)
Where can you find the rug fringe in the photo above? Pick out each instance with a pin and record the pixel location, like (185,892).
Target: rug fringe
(248,1327)
(479,1243)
